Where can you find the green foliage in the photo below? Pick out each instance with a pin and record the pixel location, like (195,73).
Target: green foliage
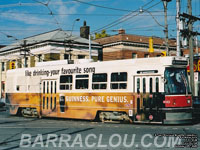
(101,35)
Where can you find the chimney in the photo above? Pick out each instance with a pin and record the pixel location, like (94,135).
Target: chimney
(84,31)
(121,31)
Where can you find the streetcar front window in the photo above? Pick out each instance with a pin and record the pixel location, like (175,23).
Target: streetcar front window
(176,81)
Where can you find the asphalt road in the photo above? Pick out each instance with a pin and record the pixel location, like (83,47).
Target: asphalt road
(44,134)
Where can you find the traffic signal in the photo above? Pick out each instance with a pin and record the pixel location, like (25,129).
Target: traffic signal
(163,53)
(151,49)
(12,65)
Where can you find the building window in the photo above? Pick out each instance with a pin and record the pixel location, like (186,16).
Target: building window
(26,62)
(82,81)
(134,55)
(39,58)
(99,81)
(3,66)
(146,55)
(81,56)
(66,82)
(66,56)
(119,80)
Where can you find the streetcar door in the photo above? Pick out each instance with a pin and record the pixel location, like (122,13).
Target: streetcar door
(48,96)
(62,103)
(144,87)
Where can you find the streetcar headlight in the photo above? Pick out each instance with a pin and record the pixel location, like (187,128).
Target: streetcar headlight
(188,101)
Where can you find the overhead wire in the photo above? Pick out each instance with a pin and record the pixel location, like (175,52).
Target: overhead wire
(124,18)
(116,22)
(51,12)
(100,6)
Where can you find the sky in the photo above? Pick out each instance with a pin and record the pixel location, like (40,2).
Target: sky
(24,18)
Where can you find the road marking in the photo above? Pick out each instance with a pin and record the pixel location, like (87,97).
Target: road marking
(137,127)
(175,128)
(198,128)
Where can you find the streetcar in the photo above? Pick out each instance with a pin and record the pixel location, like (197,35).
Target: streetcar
(143,90)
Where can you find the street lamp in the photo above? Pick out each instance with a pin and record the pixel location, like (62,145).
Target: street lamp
(73,25)
(70,41)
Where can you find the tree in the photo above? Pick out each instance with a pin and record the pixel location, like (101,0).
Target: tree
(101,35)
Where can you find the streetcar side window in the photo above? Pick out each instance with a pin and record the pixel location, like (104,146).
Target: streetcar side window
(157,84)
(144,85)
(51,103)
(138,85)
(43,102)
(65,82)
(150,85)
(82,81)
(54,102)
(17,88)
(47,86)
(55,90)
(51,87)
(44,87)
(119,80)
(99,81)
(47,103)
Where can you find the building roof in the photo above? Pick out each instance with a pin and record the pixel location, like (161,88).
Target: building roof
(134,39)
(57,35)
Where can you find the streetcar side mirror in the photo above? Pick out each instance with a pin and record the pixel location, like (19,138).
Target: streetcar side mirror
(164,80)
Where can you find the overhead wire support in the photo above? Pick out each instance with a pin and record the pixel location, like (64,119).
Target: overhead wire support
(51,12)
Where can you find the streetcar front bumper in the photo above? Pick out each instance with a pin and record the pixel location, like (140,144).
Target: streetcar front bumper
(178,115)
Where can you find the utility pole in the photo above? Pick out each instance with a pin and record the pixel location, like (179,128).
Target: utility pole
(24,49)
(190,38)
(178,49)
(197,48)
(165,2)
(90,53)
(189,34)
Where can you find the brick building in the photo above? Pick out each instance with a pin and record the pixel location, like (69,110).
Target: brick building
(127,46)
